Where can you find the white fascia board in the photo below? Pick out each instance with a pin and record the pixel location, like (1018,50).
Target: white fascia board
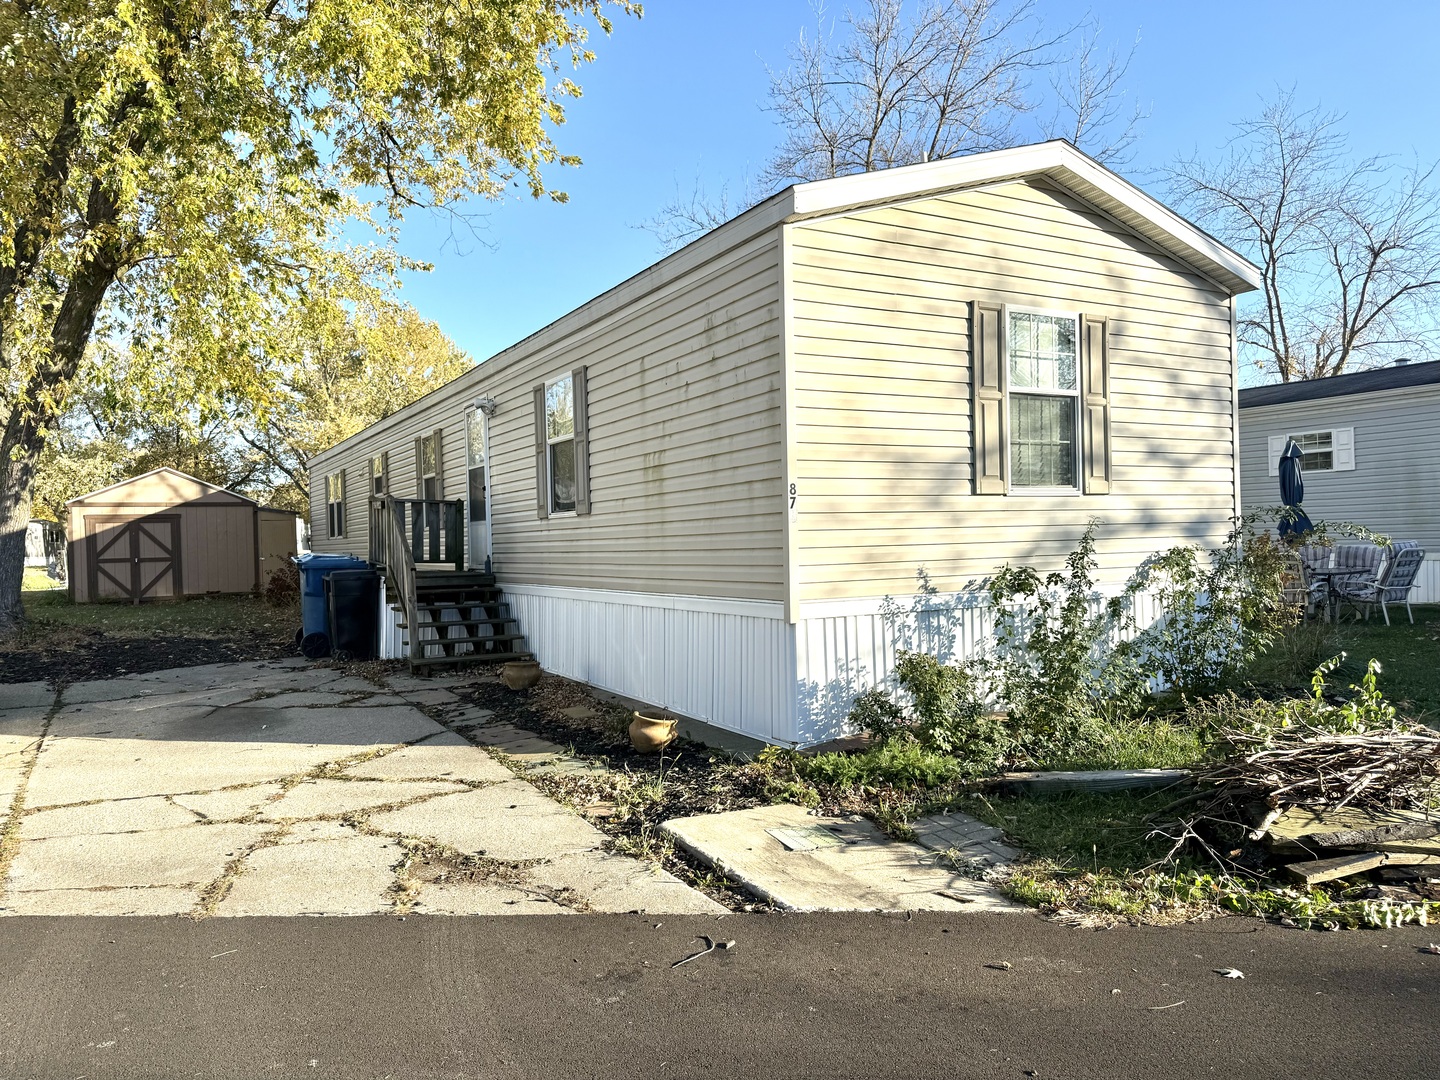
(1057,160)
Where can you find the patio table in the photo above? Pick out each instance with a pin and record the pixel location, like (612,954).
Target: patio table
(1329,575)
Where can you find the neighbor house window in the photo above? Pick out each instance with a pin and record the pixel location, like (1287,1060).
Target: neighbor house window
(1319,448)
(560,439)
(1044,395)
(378,481)
(335,503)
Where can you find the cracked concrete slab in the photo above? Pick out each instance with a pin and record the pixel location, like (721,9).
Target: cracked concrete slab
(165,763)
(224,805)
(97,819)
(473,898)
(613,883)
(331,798)
(446,757)
(192,855)
(26,695)
(806,862)
(163,900)
(347,876)
(509,821)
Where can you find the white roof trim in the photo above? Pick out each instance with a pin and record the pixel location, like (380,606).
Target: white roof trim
(154,472)
(1064,164)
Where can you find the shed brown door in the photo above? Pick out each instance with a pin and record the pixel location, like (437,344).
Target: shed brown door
(134,560)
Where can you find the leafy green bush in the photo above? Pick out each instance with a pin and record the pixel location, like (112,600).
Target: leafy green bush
(1054,663)
(900,763)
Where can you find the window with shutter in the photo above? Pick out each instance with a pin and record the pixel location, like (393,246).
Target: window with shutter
(1043,392)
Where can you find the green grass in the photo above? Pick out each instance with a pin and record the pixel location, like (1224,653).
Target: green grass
(1149,742)
(52,617)
(1409,657)
(36,580)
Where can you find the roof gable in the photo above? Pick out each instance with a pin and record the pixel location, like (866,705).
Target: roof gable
(1064,166)
(162,486)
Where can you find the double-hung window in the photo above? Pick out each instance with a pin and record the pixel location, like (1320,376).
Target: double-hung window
(1044,399)
(378,482)
(560,443)
(1319,450)
(429,466)
(335,503)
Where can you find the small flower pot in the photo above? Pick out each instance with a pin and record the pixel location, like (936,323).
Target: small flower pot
(520,674)
(652,732)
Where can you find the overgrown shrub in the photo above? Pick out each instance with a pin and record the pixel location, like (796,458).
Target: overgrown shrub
(1054,663)
(283,588)
(944,712)
(901,763)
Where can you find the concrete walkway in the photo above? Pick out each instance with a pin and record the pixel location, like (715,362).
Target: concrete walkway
(282,789)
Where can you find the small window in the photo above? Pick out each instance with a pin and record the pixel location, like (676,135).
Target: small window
(1319,449)
(335,503)
(560,437)
(379,483)
(429,468)
(1044,394)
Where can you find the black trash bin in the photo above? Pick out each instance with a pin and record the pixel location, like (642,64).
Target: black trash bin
(353,598)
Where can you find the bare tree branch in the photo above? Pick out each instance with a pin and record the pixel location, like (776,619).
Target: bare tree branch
(1349,248)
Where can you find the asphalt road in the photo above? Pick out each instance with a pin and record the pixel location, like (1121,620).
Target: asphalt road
(801,996)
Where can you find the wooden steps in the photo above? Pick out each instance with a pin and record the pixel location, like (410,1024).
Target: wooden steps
(450,607)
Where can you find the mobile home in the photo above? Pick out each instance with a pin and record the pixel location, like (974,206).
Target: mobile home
(699,488)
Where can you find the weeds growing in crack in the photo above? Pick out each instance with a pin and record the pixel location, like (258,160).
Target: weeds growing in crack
(214,894)
(10,829)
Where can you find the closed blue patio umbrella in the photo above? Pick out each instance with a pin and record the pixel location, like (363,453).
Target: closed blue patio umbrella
(1293,522)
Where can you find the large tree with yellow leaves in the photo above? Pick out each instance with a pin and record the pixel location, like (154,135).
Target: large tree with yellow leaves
(188,171)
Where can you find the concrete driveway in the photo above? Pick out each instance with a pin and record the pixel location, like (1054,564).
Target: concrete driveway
(281,789)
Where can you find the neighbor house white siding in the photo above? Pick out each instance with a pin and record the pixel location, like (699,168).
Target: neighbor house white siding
(1392,488)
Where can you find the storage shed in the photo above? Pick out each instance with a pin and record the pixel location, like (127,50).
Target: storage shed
(164,535)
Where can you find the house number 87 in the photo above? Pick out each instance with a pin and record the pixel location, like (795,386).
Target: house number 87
(793,492)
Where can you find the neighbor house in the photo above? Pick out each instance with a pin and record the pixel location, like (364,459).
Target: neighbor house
(699,488)
(1366,442)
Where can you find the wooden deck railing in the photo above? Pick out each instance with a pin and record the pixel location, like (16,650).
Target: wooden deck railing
(432,530)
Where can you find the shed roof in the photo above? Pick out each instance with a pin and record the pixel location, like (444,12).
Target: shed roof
(1395,377)
(199,488)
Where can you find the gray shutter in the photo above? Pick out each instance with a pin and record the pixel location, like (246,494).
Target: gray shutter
(439,465)
(1095,440)
(582,441)
(419,468)
(542,495)
(989,422)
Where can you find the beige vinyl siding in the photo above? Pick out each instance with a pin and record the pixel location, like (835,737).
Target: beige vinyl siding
(1392,488)
(883,455)
(685,436)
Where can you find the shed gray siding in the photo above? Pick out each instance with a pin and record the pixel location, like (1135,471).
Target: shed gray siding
(1392,488)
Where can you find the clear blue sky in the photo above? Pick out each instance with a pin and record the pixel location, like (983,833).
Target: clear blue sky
(679,94)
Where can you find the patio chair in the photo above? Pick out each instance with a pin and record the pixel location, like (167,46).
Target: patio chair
(1397,578)
(1315,556)
(1300,589)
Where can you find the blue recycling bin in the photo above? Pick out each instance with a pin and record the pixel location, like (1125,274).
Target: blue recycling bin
(314,609)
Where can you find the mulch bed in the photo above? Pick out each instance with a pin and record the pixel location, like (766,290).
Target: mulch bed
(687,779)
(93,654)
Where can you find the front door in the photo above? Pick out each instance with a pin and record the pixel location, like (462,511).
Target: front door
(134,560)
(477,501)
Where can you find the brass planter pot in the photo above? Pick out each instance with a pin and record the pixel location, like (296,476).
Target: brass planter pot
(520,674)
(651,732)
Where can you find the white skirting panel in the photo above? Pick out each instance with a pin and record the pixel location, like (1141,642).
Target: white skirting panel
(392,639)
(844,648)
(1427,584)
(727,662)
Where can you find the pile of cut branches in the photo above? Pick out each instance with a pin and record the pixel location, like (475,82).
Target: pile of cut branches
(1391,768)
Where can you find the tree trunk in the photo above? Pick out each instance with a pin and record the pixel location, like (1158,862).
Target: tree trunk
(14,518)
(36,412)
